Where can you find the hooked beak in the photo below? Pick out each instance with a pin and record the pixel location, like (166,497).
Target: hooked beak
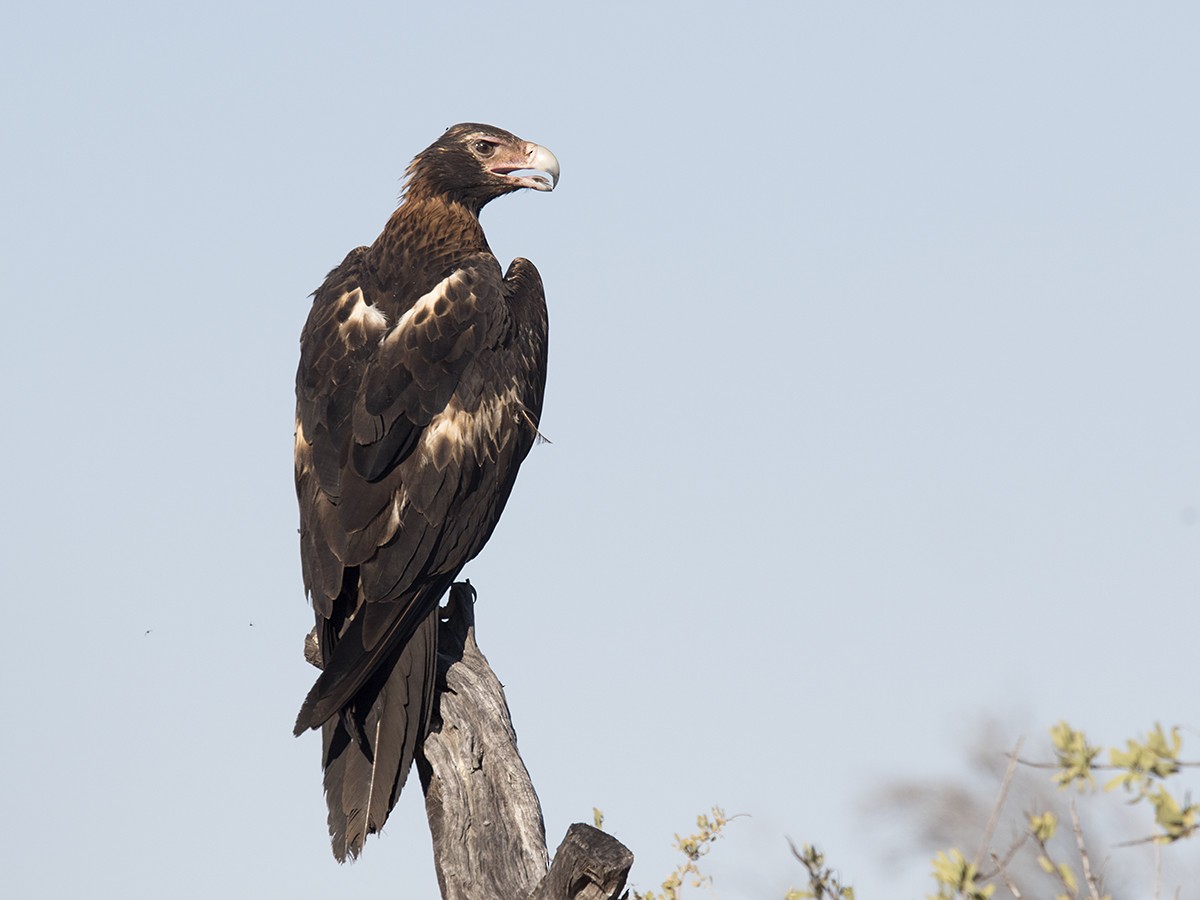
(537,159)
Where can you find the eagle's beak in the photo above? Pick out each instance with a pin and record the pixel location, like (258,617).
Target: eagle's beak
(544,161)
(537,159)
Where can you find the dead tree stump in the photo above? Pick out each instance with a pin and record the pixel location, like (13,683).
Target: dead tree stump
(489,841)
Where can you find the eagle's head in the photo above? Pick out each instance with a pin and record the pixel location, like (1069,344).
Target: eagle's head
(474,164)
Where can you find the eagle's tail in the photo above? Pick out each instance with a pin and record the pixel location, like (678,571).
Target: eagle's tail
(368,748)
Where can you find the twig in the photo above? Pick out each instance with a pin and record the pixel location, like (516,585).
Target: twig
(999,805)
(1088,876)
(1002,871)
(1101,767)
(1157,868)
(1002,863)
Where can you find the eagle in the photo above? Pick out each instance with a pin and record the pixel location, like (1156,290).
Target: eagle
(418,395)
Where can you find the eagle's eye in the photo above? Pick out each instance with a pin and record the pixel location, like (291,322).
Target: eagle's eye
(484,148)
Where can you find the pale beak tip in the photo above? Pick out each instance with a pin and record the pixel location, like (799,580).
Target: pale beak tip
(545,161)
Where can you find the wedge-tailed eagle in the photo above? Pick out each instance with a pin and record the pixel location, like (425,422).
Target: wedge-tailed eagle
(419,392)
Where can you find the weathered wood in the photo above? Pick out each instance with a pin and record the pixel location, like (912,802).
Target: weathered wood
(488,838)
(489,841)
(589,865)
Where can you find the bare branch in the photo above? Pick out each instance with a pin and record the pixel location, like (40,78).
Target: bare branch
(986,841)
(484,815)
(1092,882)
(1002,871)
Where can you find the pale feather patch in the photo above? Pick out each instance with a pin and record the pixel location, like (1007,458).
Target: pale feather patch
(399,501)
(427,303)
(455,430)
(303,450)
(364,319)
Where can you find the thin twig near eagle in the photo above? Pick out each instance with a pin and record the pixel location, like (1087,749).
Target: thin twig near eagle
(419,393)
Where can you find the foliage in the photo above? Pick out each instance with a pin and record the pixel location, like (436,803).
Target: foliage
(1144,770)
(957,877)
(693,847)
(1074,757)
(1142,762)
(822,882)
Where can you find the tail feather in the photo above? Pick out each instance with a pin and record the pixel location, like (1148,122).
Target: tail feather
(363,777)
(356,657)
(350,666)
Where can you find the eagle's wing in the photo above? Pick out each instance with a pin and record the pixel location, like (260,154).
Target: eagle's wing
(405,452)
(371,474)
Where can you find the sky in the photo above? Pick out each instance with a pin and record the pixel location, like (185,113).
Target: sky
(873,404)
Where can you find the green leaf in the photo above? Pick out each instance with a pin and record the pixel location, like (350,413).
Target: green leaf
(1067,874)
(1074,756)
(1043,826)
(954,872)
(1143,762)
(1176,821)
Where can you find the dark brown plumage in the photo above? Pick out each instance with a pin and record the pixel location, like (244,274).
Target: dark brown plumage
(418,395)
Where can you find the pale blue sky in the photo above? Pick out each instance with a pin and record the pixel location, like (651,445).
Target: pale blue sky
(875,354)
